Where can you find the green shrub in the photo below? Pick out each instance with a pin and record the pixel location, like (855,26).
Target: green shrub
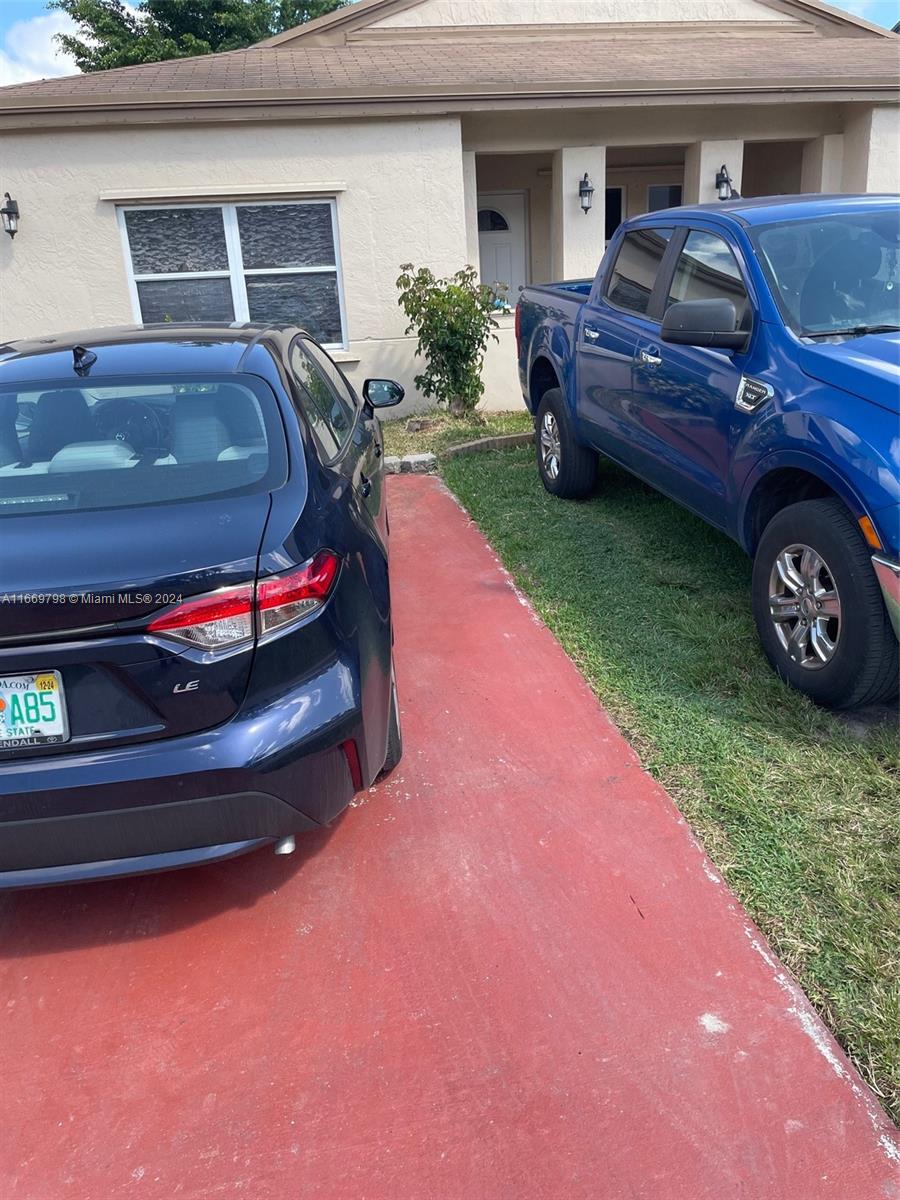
(453,319)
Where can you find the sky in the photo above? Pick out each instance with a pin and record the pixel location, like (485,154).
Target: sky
(28,51)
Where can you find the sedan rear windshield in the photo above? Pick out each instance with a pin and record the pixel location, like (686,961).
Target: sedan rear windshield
(130,441)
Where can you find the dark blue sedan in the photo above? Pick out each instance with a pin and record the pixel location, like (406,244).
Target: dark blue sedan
(195,618)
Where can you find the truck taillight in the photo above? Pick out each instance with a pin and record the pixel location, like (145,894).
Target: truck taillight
(226,619)
(518,319)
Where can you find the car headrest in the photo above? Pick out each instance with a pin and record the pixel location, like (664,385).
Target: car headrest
(92,456)
(60,418)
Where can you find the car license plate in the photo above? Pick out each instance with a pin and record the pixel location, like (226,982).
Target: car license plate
(32,710)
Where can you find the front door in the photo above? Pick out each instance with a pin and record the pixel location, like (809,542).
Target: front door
(502,242)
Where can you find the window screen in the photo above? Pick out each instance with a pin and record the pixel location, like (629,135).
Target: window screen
(663,195)
(274,264)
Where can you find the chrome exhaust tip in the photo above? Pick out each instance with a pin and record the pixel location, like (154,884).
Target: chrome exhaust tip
(286,845)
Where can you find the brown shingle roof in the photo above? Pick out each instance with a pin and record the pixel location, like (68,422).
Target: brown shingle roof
(434,69)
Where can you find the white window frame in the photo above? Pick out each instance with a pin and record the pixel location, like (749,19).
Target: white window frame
(235,271)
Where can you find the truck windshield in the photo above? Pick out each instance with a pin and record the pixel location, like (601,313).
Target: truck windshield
(835,275)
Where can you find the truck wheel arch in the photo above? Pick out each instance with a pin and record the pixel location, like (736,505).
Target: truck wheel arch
(786,482)
(542,378)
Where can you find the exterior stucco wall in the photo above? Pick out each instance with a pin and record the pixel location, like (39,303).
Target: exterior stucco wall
(675,125)
(402,200)
(443,13)
(871,160)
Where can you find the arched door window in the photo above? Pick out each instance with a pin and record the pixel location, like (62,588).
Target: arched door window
(491,221)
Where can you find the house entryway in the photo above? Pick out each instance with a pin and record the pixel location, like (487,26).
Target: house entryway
(503,241)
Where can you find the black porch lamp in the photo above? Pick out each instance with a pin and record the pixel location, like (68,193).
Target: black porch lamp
(586,194)
(724,187)
(10,214)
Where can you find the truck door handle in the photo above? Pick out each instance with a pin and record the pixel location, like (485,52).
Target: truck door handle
(650,359)
(591,335)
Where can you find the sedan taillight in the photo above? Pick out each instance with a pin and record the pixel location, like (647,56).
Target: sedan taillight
(283,599)
(229,617)
(216,621)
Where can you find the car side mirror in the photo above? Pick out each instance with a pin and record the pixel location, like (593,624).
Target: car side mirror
(703,323)
(382,393)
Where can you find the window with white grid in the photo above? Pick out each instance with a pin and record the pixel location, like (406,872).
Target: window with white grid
(269,262)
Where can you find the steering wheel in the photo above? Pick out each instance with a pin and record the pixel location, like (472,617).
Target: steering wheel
(132,422)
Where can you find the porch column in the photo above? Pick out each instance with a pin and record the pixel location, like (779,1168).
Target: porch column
(822,164)
(871,154)
(703,161)
(578,238)
(470,200)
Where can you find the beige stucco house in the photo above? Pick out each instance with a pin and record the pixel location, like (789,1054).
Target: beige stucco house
(290,180)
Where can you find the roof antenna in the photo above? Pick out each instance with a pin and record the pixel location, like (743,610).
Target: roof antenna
(84,360)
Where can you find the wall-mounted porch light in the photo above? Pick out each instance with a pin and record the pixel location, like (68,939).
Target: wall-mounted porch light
(10,214)
(725,188)
(586,194)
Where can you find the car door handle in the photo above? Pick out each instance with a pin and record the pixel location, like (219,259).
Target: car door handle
(650,359)
(377,449)
(365,486)
(591,335)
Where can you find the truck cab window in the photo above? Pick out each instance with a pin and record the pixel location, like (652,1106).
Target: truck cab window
(637,265)
(708,270)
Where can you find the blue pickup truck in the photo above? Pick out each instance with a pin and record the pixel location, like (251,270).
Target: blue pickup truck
(744,359)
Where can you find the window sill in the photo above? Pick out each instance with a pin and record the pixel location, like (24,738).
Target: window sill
(344,357)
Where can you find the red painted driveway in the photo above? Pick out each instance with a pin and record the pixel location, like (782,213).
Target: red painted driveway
(508,972)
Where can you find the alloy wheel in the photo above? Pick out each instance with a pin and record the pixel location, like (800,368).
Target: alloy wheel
(550,445)
(805,606)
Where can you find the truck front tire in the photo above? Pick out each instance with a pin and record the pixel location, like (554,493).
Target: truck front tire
(819,610)
(567,469)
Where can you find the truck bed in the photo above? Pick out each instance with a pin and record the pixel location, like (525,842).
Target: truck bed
(567,287)
(562,303)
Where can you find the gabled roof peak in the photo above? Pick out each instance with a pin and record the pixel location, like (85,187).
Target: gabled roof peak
(364,19)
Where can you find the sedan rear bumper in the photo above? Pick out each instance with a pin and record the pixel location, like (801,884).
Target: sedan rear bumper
(92,845)
(143,864)
(888,574)
(270,772)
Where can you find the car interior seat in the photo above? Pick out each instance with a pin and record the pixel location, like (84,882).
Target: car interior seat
(10,450)
(60,419)
(211,425)
(835,289)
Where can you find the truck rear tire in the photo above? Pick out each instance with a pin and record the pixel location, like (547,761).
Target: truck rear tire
(819,610)
(567,469)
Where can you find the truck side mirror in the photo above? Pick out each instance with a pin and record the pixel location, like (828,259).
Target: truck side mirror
(703,323)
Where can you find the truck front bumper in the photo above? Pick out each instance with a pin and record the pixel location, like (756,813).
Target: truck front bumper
(888,574)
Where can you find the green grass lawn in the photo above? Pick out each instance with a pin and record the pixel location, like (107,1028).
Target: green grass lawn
(798,808)
(444,431)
